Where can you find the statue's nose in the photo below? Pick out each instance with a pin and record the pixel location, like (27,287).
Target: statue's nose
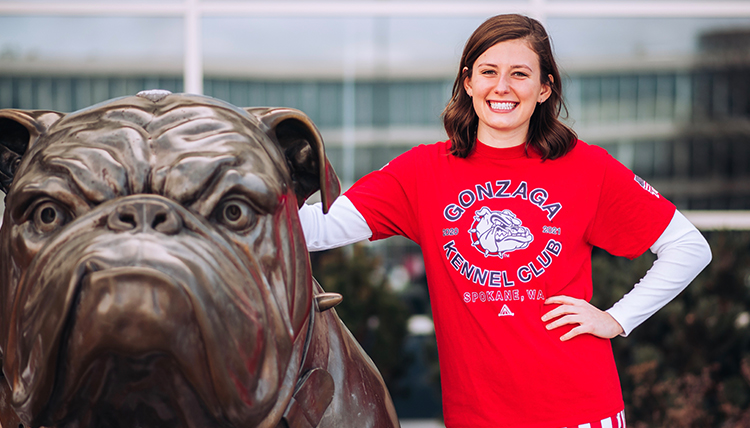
(142,216)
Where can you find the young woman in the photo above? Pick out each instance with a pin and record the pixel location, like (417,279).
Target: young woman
(506,213)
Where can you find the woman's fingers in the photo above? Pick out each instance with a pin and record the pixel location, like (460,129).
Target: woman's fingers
(573,333)
(589,318)
(563,300)
(565,320)
(568,305)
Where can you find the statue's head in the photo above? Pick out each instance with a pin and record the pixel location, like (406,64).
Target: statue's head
(152,260)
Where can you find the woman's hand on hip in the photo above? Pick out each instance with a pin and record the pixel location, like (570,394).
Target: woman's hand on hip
(589,319)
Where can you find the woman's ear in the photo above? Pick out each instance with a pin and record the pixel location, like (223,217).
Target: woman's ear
(546,89)
(467,82)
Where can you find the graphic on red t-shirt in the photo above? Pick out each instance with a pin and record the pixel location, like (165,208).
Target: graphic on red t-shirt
(496,233)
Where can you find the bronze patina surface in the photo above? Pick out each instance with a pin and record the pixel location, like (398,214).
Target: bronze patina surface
(153,272)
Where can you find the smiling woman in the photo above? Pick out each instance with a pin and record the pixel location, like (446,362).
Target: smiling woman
(509,277)
(508,92)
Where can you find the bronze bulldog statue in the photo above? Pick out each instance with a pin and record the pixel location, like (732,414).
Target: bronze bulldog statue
(154,272)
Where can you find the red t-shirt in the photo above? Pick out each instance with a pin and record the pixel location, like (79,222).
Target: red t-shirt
(501,231)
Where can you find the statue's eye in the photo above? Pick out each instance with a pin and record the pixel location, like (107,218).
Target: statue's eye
(236,214)
(49,216)
(14,165)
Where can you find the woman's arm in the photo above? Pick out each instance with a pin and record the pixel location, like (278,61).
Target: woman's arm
(681,253)
(343,225)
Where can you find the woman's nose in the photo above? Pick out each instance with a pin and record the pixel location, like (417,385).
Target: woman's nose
(503,85)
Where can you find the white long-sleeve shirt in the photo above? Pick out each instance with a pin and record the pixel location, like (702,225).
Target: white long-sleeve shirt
(681,253)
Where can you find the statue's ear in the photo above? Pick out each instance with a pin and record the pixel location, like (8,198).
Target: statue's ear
(19,130)
(302,146)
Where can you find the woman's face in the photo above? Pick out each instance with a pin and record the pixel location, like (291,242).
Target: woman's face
(505,87)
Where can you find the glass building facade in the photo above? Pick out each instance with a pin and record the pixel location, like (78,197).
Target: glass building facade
(685,130)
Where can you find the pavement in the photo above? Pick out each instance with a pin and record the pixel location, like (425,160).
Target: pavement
(421,423)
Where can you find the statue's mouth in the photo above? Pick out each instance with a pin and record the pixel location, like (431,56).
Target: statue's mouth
(148,391)
(133,340)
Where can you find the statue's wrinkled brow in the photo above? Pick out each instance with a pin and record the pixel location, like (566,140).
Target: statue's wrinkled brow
(257,187)
(79,178)
(188,178)
(94,172)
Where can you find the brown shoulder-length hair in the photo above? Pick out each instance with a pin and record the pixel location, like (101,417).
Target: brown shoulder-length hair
(547,135)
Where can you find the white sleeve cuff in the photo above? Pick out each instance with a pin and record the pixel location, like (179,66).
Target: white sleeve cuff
(682,253)
(343,225)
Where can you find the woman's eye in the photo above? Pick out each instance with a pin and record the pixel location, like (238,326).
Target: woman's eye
(49,216)
(236,215)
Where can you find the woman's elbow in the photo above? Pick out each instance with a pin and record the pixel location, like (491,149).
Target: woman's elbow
(704,251)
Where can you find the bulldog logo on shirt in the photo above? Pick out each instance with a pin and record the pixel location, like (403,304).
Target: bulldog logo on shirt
(497,233)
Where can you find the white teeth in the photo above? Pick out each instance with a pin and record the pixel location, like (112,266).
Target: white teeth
(502,105)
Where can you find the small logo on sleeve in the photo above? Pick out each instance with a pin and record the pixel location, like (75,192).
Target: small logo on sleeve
(647,187)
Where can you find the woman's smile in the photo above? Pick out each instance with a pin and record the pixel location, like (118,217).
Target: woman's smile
(502,106)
